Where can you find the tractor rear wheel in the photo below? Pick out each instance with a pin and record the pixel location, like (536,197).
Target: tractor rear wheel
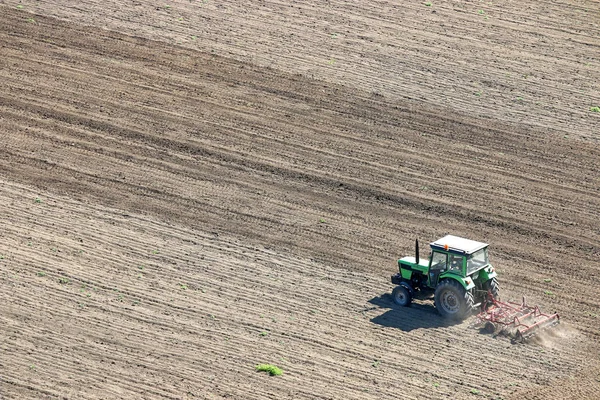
(401,296)
(452,300)
(493,287)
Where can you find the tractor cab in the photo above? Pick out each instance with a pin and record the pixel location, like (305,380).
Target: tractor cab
(456,255)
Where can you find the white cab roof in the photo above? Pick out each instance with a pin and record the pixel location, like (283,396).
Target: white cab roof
(457,243)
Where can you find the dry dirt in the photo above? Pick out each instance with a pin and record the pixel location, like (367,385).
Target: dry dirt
(188,191)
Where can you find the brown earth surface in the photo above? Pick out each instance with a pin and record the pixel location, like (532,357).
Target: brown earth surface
(534,63)
(176,213)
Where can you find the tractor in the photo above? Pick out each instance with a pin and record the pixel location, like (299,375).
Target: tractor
(457,273)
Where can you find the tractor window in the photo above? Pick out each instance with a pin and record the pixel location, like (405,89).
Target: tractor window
(456,263)
(439,261)
(477,260)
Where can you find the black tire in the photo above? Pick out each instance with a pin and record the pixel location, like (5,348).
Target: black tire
(493,287)
(452,300)
(401,296)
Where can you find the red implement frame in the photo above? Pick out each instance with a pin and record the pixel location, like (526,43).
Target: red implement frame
(520,320)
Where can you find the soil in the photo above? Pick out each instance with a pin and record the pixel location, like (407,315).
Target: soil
(189,191)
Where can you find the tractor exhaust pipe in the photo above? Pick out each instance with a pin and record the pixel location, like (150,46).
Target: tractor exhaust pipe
(416,251)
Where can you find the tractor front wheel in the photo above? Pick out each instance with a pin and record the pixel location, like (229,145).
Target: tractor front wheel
(401,296)
(452,300)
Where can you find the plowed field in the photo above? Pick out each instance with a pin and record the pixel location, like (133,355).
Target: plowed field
(194,188)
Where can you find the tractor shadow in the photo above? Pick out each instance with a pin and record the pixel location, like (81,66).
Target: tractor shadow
(421,314)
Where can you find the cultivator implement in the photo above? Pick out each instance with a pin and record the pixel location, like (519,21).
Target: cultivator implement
(519,321)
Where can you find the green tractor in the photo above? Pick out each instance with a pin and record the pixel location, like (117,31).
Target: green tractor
(458,273)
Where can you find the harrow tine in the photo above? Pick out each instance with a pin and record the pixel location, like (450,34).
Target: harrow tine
(529,331)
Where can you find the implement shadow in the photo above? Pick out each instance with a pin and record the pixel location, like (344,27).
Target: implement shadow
(420,314)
